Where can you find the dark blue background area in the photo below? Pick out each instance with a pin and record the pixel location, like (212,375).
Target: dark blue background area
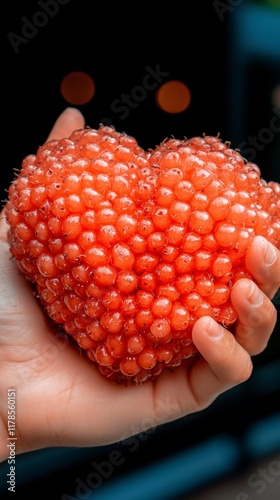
(228,53)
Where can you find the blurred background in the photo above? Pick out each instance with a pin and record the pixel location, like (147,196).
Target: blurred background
(212,68)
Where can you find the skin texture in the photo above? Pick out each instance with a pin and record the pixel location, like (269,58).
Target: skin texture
(62,400)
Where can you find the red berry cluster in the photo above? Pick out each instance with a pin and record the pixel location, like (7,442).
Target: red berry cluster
(128,249)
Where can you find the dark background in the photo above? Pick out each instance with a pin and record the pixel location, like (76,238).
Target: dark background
(228,53)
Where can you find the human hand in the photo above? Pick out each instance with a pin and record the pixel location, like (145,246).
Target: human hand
(61,398)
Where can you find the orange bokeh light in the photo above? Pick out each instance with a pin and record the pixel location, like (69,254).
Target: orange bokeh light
(173,97)
(276,96)
(77,87)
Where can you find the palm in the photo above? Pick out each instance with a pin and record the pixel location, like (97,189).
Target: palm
(56,384)
(61,392)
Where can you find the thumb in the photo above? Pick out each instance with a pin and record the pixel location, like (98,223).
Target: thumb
(70,119)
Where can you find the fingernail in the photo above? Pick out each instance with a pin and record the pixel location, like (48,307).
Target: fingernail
(269,253)
(252,292)
(212,328)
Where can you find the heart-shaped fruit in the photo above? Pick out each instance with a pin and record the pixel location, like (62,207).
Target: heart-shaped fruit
(127,248)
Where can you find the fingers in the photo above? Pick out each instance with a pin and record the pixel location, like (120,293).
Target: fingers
(226,358)
(3,227)
(223,365)
(256,316)
(69,120)
(263,262)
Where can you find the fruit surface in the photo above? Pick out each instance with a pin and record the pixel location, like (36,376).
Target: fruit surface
(128,248)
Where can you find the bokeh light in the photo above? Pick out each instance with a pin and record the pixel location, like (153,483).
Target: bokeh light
(173,96)
(276,96)
(77,87)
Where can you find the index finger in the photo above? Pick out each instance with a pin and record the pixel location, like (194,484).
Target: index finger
(263,262)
